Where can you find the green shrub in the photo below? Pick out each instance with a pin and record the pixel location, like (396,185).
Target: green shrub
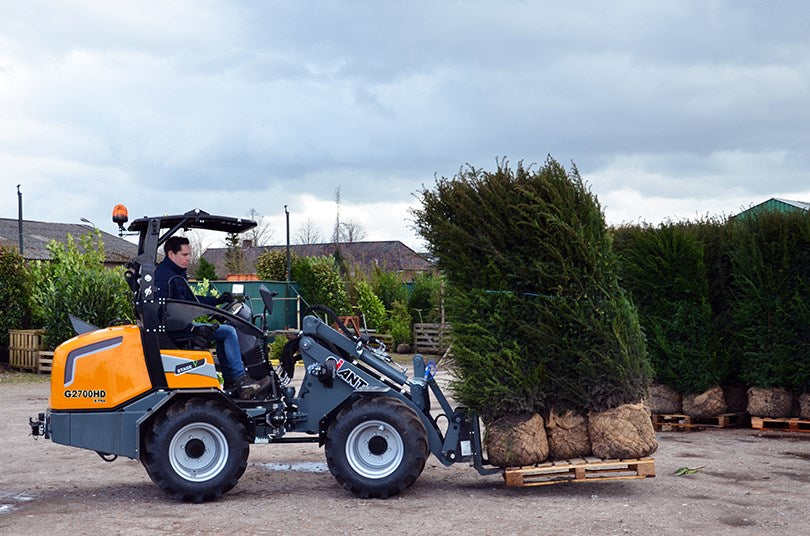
(15,293)
(423,301)
(272,265)
(664,270)
(320,283)
(770,256)
(76,282)
(388,287)
(205,270)
(370,306)
(536,304)
(399,323)
(276,347)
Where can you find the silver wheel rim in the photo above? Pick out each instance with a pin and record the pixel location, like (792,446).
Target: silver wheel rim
(374,449)
(198,452)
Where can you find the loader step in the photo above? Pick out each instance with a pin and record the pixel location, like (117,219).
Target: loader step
(588,469)
(784,425)
(663,422)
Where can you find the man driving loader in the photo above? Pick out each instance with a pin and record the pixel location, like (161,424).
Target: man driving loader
(172,282)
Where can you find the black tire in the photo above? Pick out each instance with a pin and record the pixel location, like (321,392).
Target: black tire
(376,447)
(196,450)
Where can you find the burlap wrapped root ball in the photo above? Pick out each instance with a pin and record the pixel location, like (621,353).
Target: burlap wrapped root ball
(622,432)
(517,440)
(710,403)
(664,399)
(567,435)
(804,406)
(773,402)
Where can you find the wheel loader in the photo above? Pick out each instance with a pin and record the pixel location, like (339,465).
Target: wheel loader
(141,392)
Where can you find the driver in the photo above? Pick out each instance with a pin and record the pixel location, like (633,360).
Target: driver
(171,281)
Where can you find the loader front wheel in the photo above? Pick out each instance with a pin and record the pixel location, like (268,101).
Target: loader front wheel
(376,447)
(196,450)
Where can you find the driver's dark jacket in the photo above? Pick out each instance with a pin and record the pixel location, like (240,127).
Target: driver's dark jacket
(171,280)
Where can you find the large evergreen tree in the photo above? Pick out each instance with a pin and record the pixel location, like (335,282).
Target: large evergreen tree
(539,317)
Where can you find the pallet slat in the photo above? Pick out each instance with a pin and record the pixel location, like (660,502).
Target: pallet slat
(560,471)
(784,425)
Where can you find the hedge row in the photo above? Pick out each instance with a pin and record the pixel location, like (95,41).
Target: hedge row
(723,302)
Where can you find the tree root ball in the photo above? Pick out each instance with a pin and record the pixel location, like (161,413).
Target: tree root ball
(710,403)
(622,432)
(567,435)
(804,406)
(664,399)
(774,402)
(517,440)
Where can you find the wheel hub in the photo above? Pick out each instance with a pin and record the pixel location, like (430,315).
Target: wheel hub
(374,449)
(198,452)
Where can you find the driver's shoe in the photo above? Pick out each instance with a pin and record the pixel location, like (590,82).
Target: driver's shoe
(264,383)
(246,386)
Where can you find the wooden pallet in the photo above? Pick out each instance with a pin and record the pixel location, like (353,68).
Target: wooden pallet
(23,348)
(588,469)
(667,422)
(45,363)
(780,425)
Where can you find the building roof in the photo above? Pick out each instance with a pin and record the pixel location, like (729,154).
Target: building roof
(390,255)
(774,204)
(38,234)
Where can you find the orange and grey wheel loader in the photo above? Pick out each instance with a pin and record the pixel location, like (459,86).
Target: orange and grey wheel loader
(139,392)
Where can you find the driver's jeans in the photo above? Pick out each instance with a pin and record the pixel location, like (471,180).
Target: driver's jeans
(228,353)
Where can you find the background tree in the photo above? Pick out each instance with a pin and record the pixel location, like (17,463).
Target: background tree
(15,293)
(262,234)
(272,265)
(320,283)
(352,231)
(235,261)
(308,232)
(205,270)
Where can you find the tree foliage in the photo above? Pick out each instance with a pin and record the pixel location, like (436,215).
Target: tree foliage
(76,282)
(770,257)
(664,269)
(539,317)
(423,301)
(15,293)
(205,270)
(370,306)
(272,265)
(320,283)
(235,261)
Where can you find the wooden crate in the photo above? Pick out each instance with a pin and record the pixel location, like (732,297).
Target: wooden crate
(432,339)
(23,348)
(780,425)
(667,422)
(588,469)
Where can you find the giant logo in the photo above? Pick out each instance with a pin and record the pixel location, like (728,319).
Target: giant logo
(349,376)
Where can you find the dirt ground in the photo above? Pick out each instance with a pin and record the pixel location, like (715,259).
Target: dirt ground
(752,483)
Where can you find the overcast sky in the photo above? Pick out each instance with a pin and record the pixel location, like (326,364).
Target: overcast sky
(668,109)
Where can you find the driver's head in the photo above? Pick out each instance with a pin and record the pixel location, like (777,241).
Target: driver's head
(178,251)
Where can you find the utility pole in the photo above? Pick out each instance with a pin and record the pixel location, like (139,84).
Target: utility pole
(289,269)
(19,217)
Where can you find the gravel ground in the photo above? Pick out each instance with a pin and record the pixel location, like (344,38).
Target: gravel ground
(752,483)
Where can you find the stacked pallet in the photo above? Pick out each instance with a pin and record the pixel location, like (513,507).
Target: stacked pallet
(782,425)
(663,422)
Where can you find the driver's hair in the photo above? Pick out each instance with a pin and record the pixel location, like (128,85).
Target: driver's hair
(174,244)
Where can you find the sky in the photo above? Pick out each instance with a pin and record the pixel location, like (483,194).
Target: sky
(669,109)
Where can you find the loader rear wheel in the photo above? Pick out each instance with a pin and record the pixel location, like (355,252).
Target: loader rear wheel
(196,450)
(376,447)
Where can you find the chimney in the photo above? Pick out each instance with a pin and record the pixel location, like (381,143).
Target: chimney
(247,243)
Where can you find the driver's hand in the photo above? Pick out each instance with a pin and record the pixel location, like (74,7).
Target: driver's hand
(202,334)
(225,297)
